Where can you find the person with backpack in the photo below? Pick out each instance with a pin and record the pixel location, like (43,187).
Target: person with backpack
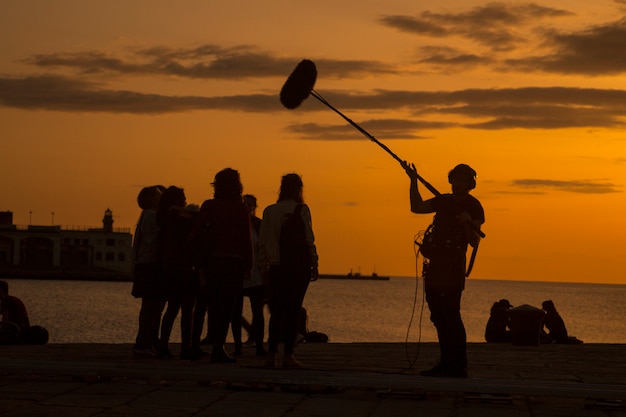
(458,217)
(287,248)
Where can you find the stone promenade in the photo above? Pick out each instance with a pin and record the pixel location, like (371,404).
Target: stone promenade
(338,379)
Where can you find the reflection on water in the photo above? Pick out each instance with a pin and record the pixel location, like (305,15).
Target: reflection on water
(346,310)
(81,311)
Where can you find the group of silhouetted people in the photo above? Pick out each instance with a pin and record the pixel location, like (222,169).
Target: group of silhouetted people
(548,323)
(202,261)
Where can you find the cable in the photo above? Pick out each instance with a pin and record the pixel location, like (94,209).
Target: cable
(417,241)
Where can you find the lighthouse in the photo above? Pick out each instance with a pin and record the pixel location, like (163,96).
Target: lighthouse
(107,221)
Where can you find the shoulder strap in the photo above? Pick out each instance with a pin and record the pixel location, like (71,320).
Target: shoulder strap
(470,265)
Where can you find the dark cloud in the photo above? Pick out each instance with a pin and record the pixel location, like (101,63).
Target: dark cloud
(598,50)
(416,25)
(530,107)
(527,108)
(477,100)
(538,116)
(64,94)
(494,25)
(384,128)
(500,30)
(445,57)
(204,62)
(486,109)
(576,186)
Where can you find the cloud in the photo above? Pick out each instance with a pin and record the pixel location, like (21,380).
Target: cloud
(575,186)
(527,108)
(505,38)
(202,62)
(493,109)
(501,32)
(495,25)
(385,128)
(447,57)
(71,95)
(485,109)
(438,101)
(598,50)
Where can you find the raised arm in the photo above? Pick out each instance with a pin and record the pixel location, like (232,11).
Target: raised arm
(418,205)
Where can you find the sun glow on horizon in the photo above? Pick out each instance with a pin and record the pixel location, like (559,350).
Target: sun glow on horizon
(99,100)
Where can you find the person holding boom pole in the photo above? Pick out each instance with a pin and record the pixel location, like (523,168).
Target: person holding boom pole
(457,221)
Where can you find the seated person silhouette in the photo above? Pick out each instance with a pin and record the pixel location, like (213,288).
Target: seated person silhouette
(498,325)
(15,326)
(555,325)
(306,335)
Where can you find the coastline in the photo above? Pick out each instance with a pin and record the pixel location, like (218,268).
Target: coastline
(93,274)
(51,274)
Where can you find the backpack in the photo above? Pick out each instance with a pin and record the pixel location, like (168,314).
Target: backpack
(294,248)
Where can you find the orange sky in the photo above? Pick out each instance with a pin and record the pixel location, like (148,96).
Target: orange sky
(98,99)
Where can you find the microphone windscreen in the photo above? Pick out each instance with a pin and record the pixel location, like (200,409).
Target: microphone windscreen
(299,84)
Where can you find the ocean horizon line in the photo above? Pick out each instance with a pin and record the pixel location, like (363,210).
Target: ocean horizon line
(523,281)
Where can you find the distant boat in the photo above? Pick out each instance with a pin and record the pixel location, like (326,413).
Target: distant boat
(355,276)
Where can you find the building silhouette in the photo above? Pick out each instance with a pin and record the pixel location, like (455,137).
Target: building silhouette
(55,252)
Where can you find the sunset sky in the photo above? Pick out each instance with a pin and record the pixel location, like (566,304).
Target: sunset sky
(98,99)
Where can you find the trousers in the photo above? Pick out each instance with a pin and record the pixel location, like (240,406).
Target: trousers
(445,313)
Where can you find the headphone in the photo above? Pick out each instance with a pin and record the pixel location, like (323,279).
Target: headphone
(463,171)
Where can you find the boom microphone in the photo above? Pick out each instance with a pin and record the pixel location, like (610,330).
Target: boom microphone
(299,86)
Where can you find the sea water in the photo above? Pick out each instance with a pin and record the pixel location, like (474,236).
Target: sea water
(346,310)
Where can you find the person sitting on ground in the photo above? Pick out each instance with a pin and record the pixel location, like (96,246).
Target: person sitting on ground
(555,325)
(15,324)
(304,334)
(498,328)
